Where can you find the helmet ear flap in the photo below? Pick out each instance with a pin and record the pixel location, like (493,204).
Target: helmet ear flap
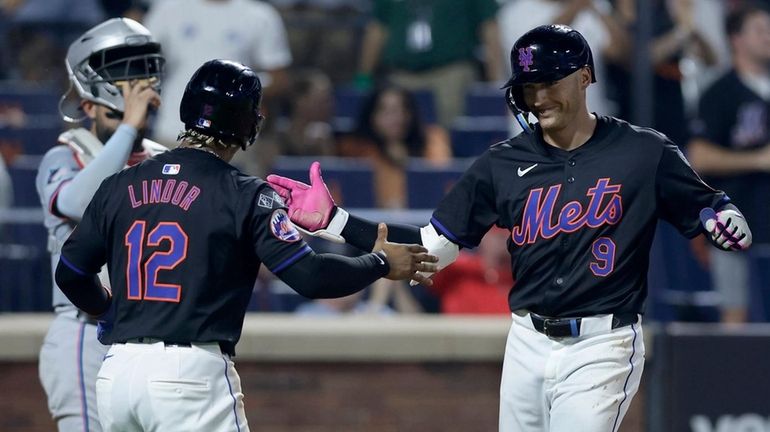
(515,101)
(257,128)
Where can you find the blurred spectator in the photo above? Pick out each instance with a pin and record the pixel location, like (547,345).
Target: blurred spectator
(39,32)
(389,131)
(478,282)
(382,294)
(731,147)
(675,37)
(354,304)
(308,129)
(192,32)
(430,44)
(40,12)
(323,33)
(134,9)
(594,19)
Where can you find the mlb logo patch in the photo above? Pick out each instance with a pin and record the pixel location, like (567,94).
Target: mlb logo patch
(202,122)
(171,169)
(282,228)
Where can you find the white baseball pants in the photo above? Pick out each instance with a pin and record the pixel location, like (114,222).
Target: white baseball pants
(572,384)
(167,388)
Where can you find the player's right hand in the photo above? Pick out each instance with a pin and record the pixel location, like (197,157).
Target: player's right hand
(311,207)
(406,261)
(138,97)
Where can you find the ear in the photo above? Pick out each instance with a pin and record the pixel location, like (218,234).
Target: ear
(89,108)
(585,77)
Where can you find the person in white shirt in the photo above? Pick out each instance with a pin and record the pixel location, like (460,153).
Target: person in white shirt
(195,31)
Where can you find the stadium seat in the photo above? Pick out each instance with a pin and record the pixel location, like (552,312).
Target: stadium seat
(34,139)
(33,99)
(23,181)
(471,136)
(350,180)
(483,100)
(428,183)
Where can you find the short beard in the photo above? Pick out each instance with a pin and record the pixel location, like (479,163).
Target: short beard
(104,134)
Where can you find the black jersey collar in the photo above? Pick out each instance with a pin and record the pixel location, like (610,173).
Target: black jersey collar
(601,131)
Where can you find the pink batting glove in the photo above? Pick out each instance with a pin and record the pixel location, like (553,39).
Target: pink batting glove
(310,206)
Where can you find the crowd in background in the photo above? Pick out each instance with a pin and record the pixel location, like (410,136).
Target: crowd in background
(409,66)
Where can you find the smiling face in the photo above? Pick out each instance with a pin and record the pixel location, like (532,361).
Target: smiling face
(557,104)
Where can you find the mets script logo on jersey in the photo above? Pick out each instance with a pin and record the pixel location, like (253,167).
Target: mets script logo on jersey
(605,207)
(282,228)
(525,58)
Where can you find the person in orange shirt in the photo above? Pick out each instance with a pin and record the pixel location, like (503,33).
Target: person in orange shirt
(389,131)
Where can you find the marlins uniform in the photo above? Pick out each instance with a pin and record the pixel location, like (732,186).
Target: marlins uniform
(118,49)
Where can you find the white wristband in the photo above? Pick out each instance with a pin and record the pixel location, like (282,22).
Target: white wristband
(338,222)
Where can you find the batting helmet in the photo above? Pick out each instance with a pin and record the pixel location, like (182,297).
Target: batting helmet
(119,49)
(222,100)
(545,53)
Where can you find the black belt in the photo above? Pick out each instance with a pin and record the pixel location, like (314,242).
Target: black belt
(570,327)
(226,347)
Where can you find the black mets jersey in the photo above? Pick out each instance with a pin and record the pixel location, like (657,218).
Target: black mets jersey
(581,222)
(186,233)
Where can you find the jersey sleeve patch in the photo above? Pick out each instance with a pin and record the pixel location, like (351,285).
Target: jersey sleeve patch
(282,227)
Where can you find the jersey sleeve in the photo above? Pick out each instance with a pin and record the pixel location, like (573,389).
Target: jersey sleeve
(276,240)
(681,193)
(56,169)
(467,212)
(85,250)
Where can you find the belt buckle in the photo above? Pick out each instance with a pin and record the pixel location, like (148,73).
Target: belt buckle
(546,329)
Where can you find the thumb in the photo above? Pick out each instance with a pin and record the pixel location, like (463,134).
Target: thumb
(315,174)
(382,237)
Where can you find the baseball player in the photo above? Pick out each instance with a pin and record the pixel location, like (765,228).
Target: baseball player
(184,234)
(581,195)
(115,69)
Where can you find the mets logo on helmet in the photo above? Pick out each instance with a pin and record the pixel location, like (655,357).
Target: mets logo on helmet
(282,228)
(525,58)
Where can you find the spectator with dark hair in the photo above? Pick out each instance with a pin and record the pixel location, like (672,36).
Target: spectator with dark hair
(389,131)
(731,146)
(308,129)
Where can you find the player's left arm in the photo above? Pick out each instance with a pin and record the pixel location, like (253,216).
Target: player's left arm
(82,256)
(692,206)
(315,213)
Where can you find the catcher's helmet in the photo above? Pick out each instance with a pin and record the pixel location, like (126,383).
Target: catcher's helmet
(222,100)
(545,53)
(119,49)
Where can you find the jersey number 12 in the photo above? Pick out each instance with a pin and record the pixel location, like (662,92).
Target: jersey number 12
(142,280)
